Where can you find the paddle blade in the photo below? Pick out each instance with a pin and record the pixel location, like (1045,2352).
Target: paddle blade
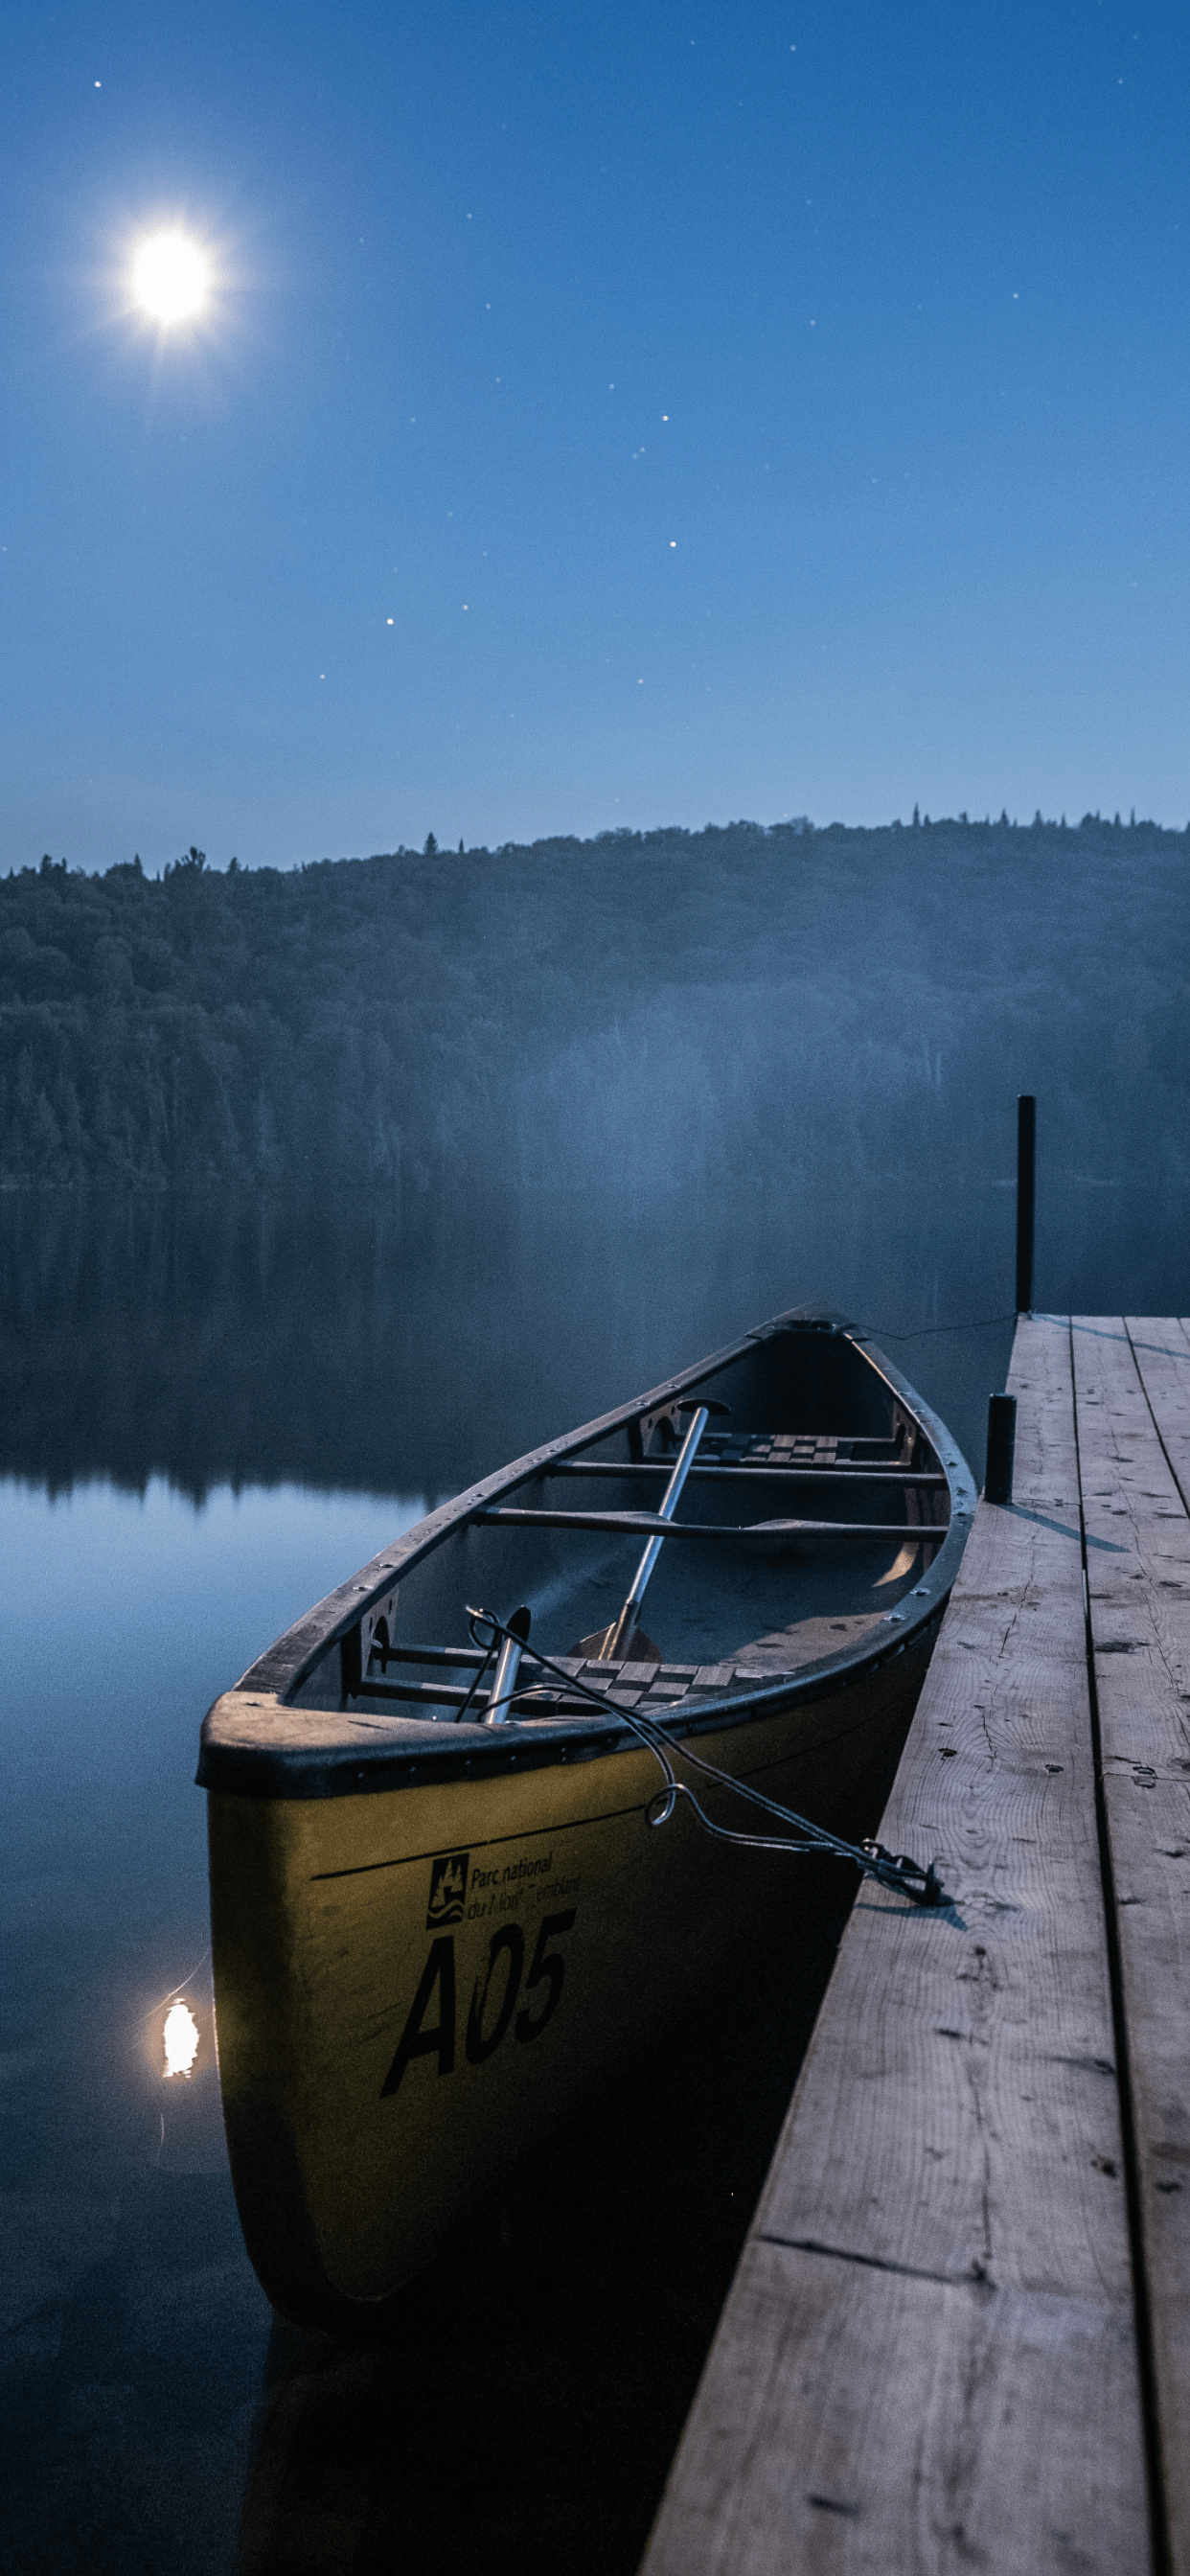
(635,1648)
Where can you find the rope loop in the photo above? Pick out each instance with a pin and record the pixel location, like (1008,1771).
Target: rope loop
(661,1805)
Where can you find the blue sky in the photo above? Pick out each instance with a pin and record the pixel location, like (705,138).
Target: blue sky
(736,410)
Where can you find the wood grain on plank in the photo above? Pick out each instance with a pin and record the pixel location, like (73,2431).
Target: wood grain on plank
(927,2359)
(1134,1434)
(1161,1347)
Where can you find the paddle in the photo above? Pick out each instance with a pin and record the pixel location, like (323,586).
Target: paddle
(508,1665)
(624,1642)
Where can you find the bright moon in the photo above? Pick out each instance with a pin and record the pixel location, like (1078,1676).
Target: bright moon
(170,277)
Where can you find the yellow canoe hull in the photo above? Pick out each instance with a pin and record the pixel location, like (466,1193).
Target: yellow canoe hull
(414,1985)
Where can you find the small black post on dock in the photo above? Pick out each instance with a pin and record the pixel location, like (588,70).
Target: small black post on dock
(997,1483)
(1026,1171)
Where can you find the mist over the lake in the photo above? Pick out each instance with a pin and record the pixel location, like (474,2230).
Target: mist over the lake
(292,1159)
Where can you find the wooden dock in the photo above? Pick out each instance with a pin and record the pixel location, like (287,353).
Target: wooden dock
(959,2333)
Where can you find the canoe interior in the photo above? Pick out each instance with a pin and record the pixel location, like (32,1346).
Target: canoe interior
(810,1411)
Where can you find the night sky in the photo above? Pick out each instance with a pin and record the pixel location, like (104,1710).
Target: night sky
(598,416)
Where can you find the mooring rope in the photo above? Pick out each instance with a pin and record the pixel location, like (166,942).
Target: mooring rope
(891,1869)
(922,1332)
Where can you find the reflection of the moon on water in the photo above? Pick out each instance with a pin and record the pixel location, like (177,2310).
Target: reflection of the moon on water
(180,2038)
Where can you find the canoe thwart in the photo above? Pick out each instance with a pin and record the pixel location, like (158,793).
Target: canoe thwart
(850,1472)
(628,1524)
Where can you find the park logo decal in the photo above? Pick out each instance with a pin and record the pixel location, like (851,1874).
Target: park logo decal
(448,1889)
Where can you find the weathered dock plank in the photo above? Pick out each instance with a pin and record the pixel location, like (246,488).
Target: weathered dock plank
(928,2360)
(1133,1389)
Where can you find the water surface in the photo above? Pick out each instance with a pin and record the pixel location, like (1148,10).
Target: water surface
(210,1411)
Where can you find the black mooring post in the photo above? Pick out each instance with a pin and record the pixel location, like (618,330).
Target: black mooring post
(997,1483)
(1026,1172)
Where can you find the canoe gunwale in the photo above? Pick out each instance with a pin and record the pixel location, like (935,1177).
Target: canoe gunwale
(256,1743)
(431,1754)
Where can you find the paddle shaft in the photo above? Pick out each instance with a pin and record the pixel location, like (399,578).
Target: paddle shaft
(665,1512)
(508,1665)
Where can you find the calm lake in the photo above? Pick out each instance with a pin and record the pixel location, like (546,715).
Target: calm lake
(211,1411)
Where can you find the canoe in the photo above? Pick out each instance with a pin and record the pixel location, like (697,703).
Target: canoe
(449,1886)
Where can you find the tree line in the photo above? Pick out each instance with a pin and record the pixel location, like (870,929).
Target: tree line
(636,1008)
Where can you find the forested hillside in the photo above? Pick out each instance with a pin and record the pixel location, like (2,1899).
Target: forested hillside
(637,1008)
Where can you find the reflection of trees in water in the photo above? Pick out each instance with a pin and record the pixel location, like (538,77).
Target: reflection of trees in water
(263,1337)
(234,1338)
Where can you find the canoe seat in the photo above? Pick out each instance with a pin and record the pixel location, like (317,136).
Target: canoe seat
(658,1689)
(799,1449)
